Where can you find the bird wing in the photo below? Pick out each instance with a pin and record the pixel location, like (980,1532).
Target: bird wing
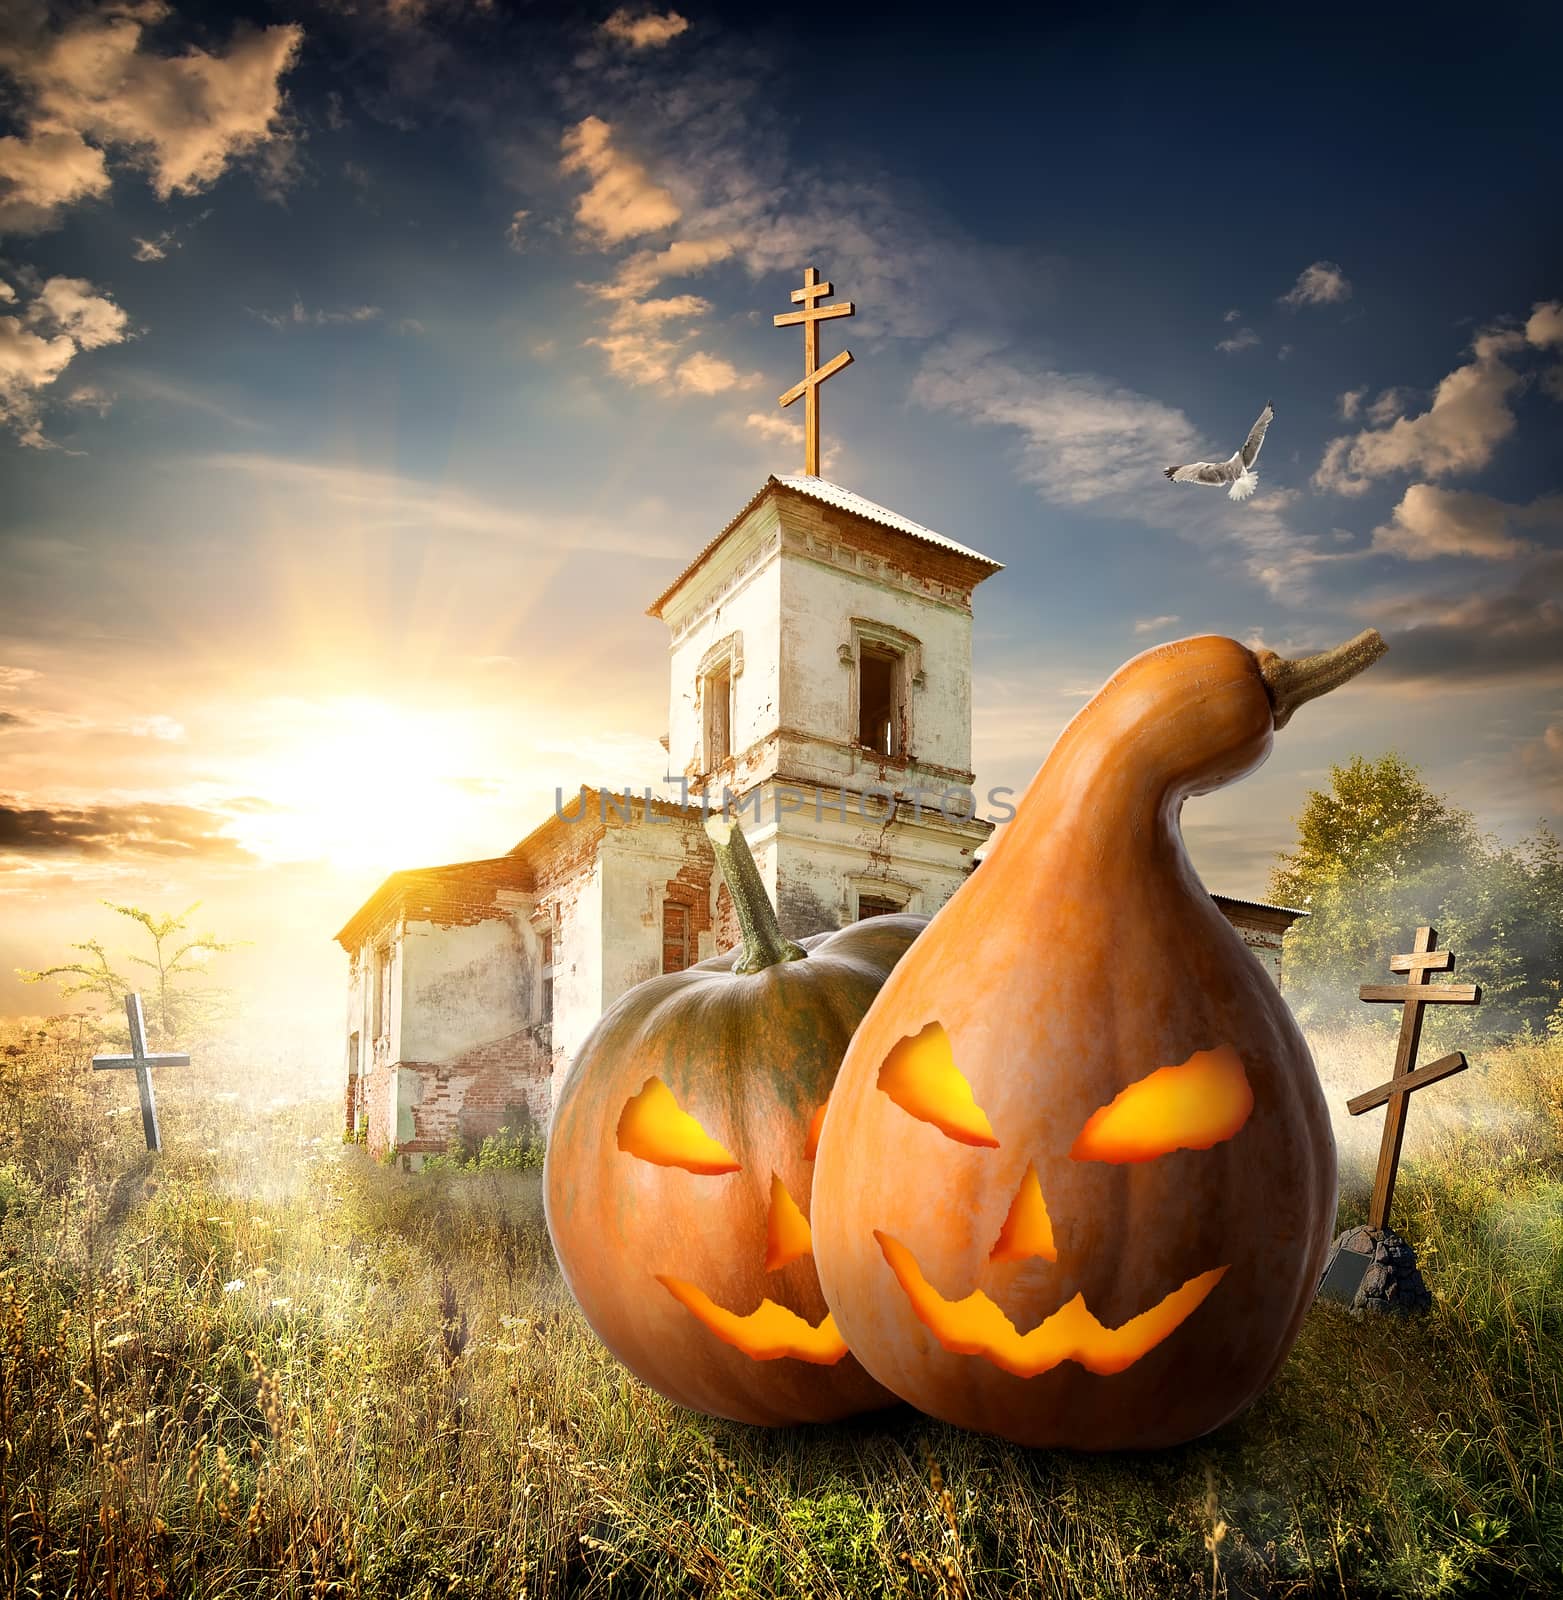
(1202,472)
(1256,436)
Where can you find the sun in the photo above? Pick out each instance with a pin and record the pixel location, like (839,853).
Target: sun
(365,783)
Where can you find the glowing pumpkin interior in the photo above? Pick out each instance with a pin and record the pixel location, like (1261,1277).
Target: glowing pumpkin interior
(653,1127)
(1191,1106)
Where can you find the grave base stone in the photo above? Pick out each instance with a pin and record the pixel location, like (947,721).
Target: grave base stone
(1382,1265)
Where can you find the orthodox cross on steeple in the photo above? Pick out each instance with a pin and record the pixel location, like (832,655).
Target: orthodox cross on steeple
(814,374)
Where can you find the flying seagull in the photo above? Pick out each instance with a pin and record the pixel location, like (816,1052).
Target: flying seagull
(1237,470)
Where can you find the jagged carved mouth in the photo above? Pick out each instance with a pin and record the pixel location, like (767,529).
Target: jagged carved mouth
(976,1326)
(767,1333)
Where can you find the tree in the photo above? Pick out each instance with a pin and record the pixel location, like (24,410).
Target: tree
(1377,822)
(1378,854)
(174,1008)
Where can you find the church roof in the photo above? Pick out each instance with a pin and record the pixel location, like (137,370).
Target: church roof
(1291,912)
(460,891)
(830,494)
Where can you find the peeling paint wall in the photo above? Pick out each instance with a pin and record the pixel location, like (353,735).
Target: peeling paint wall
(579,995)
(465,985)
(739,594)
(821,595)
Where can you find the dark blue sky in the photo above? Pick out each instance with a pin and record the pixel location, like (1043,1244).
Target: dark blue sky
(373,364)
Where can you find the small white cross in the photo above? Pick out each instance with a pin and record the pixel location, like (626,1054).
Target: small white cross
(142,1064)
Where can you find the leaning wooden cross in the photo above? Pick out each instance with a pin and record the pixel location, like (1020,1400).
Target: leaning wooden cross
(142,1063)
(1413,994)
(1347,1265)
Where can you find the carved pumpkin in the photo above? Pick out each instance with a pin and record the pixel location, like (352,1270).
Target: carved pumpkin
(1077,1180)
(680,1158)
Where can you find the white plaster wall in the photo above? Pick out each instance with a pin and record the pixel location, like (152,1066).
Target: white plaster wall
(463,986)
(362,1002)
(825,863)
(578,963)
(638,863)
(751,606)
(818,604)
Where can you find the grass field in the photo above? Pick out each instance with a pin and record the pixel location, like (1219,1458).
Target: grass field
(264,1364)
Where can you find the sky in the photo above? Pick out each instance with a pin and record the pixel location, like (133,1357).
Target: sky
(368,366)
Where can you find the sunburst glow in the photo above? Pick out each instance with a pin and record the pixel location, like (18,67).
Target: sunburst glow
(366,783)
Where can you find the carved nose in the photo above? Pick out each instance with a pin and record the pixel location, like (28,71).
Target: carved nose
(1028,1229)
(787,1233)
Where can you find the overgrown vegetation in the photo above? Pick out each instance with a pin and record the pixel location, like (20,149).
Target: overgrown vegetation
(1377,854)
(262,1364)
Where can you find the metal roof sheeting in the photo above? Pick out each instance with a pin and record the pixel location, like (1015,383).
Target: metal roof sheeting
(845,500)
(831,494)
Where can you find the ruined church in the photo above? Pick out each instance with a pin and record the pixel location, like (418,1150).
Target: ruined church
(820,674)
(819,687)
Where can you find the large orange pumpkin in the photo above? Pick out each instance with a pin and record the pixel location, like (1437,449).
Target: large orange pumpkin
(1076,1181)
(680,1158)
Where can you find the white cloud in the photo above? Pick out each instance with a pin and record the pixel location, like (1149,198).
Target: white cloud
(1390,404)
(1430,522)
(183,119)
(1155,624)
(1243,339)
(640,273)
(1545,324)
(1540,762)
(1319,285)
(42,173)
(515,233)
(72,306)
(1351,403)
(89,397)
(1082,437)
(638,358)
(153,249)
(299,316)
(64,318)
(770,426)
(1086,441)
(623,202)
(653,313)
(1467,420)
(774,428)
(703,373)
(1232,315)
(648,31)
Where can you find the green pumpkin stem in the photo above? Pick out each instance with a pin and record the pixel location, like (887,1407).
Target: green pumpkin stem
(1290,683)
(764,944)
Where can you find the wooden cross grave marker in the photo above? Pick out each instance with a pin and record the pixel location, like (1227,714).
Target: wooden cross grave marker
(142,1064)
(1413,994)
(814,374)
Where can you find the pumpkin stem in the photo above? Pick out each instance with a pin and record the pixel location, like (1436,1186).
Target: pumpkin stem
(764,944)
(1290,683)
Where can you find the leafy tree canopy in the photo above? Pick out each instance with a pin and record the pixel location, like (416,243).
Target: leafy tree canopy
(1378,854)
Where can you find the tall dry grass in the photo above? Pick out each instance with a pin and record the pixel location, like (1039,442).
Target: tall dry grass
(261,1364)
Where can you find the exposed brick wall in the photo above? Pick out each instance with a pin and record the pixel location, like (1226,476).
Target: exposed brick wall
(727,930)
(692,888)
(483,1090)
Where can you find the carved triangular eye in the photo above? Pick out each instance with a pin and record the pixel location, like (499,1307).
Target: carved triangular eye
(920,1075)
(1188,1107)
(654,1127)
